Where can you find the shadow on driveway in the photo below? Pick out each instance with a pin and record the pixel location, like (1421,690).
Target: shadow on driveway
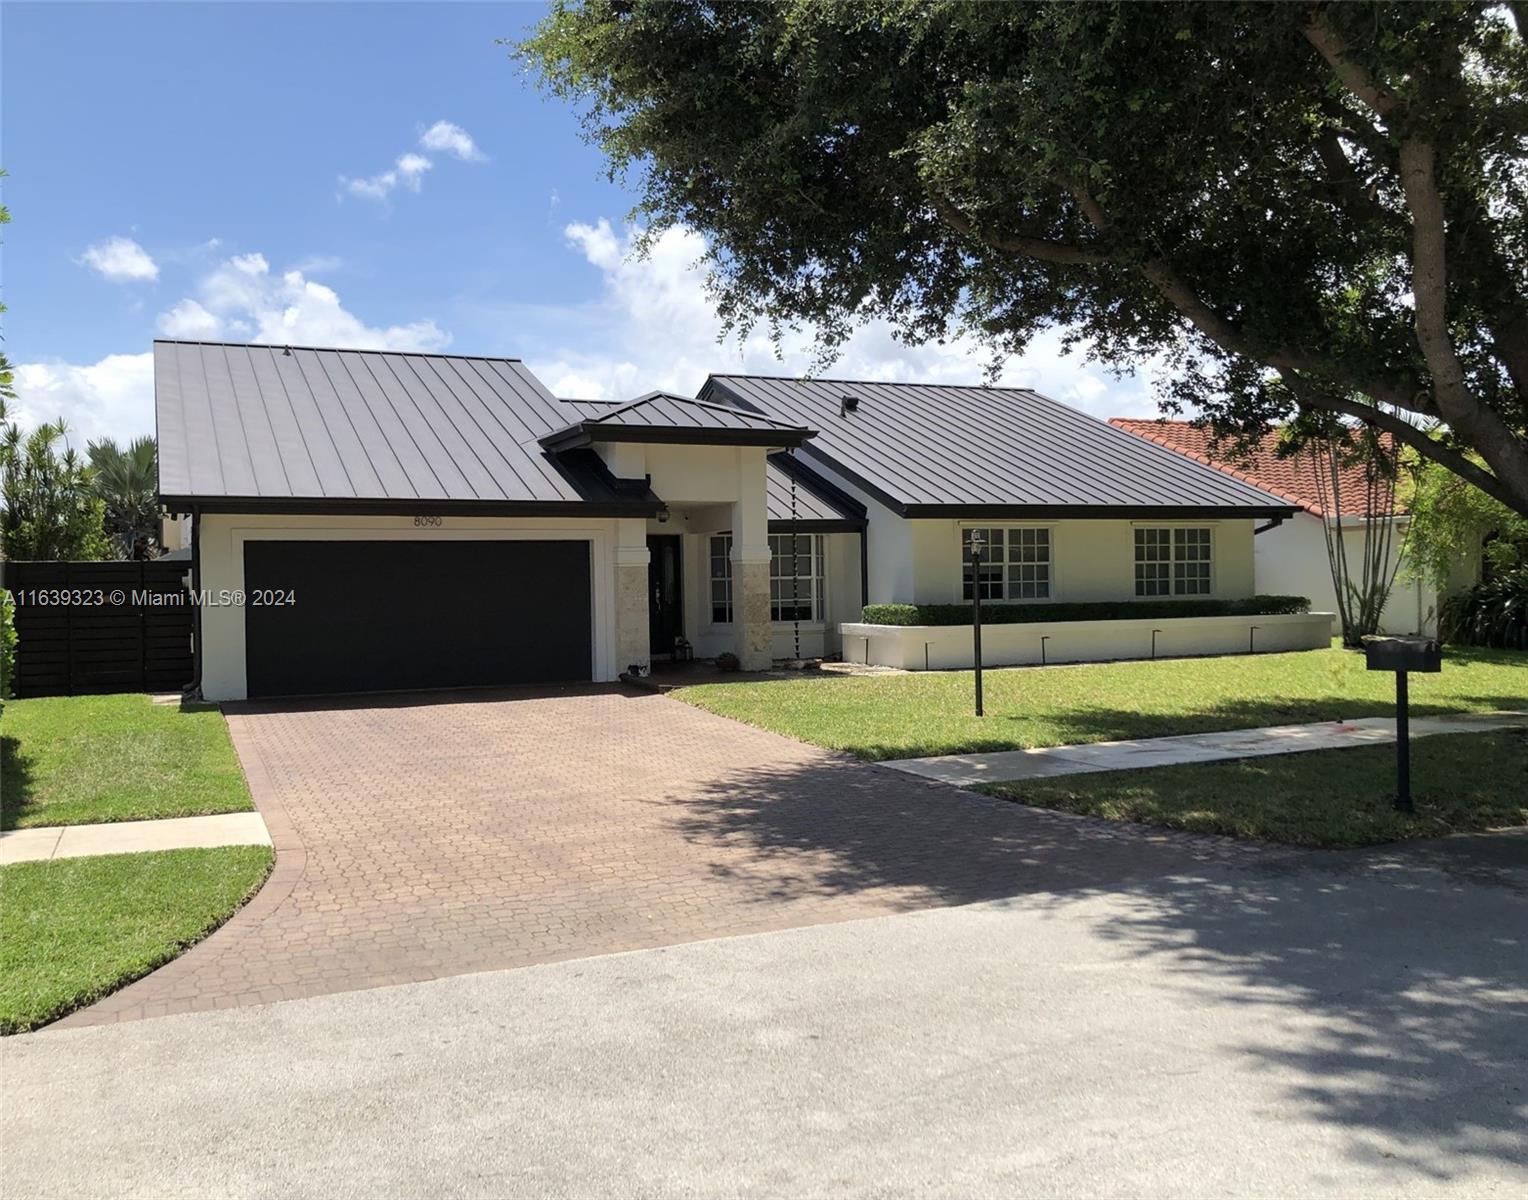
(1405,968)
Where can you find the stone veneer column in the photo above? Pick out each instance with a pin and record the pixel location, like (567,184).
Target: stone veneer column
(750,564)
(633,643)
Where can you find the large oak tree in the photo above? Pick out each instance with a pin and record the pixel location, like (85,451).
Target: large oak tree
(1313,211)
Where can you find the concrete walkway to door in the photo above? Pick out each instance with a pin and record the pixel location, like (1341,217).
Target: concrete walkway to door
(425,836)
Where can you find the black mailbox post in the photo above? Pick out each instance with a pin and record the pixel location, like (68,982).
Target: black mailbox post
(1403,655)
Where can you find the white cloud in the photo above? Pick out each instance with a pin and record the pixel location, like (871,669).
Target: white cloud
(189,320)
(409,168)
(242,298)
(120,260)
(451,139)
(655,327)
(110,398)
(248,299)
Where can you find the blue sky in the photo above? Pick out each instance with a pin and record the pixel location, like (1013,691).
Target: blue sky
(361,174)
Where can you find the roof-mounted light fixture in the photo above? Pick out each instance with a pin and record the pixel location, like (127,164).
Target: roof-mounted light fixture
(847,404)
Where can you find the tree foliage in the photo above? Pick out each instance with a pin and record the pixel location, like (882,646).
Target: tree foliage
(48,505)
(128,482)
(1309,210)
(1454,524)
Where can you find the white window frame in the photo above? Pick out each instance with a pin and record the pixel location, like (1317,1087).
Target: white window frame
(1172,529)
(1008,528)
(724,579)
(814,583)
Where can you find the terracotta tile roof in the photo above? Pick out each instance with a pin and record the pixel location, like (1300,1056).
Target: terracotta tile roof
(1293,477)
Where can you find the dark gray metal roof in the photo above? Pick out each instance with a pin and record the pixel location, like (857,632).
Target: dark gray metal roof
(663,417)
(819,506)
(931,450)
(243,426)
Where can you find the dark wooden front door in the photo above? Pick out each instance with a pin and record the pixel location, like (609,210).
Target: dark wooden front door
(665,600)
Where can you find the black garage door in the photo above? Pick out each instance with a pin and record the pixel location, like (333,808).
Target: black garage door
(386,616)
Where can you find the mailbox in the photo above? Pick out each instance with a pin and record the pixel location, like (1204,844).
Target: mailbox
(1403,654)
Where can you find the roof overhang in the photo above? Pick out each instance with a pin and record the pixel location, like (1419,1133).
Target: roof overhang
(588,433)
(1094,512)
(644,506)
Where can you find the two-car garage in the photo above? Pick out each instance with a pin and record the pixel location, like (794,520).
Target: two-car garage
(384,615)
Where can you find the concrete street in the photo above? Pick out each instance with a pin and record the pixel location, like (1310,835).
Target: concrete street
(1316,1025)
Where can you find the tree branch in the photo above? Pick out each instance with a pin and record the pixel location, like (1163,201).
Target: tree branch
(1182,295)
(1404,431)
(1042,248)
(1481,425)
(1354,76)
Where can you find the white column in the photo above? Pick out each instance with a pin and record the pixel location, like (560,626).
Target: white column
(750,563)
(632,641)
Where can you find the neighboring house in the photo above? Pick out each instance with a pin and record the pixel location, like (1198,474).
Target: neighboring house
(368,520)
(1293,557)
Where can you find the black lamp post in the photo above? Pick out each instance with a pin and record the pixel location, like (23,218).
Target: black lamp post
(977,542)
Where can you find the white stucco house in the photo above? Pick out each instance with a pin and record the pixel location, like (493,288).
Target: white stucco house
(369,520)
(1293,557)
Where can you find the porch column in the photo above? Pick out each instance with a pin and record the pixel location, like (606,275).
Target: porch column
(632,642)
(750,564)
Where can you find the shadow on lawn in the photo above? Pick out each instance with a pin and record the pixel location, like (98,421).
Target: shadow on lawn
(1389,988)
(16,782)
(1004,730)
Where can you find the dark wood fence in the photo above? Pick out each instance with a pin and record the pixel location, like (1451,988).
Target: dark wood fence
(87,627)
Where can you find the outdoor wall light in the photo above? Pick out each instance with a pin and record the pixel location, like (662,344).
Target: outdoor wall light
(663,515)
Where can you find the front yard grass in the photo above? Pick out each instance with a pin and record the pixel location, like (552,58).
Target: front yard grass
(76,760)
(1332,798)
(925,713)
(74,929)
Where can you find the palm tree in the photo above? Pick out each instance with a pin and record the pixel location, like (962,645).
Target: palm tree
(128,481)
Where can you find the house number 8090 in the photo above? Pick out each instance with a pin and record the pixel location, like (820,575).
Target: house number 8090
(428,522)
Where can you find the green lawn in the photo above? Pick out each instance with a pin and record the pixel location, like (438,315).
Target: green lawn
(906,716)
(1460,782)
(74,929)
(75,760)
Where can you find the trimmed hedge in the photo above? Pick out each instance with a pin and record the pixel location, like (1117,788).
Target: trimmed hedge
(1107,610)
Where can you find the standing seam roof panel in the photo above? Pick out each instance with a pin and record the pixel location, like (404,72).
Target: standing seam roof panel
(910,474)
(228,463)
(174,462)
(924,444)
(333,385)
(297,452)
(511,480)
(402,454)
(266,460)
(446,474)
(426,392)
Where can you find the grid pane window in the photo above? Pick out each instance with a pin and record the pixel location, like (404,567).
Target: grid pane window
(803,599)
(721,579)
(1016,564)
(1191,562)
(797,598)
(1172,562)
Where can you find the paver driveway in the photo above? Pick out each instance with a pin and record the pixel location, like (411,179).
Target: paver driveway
(426,836)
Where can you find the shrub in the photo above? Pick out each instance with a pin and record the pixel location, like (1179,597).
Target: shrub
(727,661)
(7,643)
(1106,610)
(1494,613)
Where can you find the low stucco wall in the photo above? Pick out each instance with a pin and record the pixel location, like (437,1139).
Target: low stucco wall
(945,647)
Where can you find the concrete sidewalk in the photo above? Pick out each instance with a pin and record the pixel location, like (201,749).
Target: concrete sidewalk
(1011,765)
(131,837)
